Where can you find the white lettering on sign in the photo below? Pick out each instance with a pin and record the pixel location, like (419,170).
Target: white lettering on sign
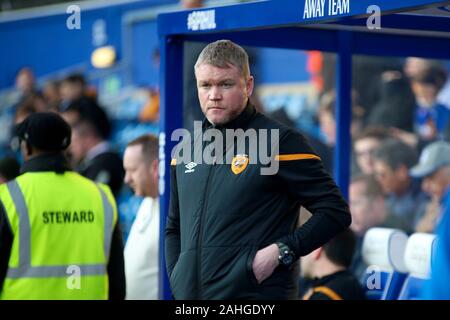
(336,7)
(313,9)
(319,8)
(202,20)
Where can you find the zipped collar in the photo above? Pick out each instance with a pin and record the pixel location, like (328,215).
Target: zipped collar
(55,162)
(240,122)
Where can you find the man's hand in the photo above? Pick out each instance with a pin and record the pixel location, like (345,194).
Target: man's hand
(265,262)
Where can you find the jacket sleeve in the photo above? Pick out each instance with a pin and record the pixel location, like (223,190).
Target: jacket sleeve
(6,239)
(302,176)
(116,267)
(116,264)
(173,247)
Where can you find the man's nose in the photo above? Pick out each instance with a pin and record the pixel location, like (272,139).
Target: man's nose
(425,185)
(126,179)
(215,93)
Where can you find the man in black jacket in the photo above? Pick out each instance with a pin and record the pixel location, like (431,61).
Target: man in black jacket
(232,225)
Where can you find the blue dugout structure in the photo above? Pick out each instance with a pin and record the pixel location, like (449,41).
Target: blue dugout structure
(418,28)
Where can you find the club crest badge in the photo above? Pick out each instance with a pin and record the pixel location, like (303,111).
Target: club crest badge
(239,163)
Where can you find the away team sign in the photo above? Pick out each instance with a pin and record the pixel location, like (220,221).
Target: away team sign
(322,8)
(206,19)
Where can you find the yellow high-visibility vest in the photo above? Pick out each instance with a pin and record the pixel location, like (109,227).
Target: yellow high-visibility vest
(62,226)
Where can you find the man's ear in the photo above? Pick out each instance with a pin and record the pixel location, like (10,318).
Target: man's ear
(155,168)
(249,84)
(403,171)
(317,253)
(26,149)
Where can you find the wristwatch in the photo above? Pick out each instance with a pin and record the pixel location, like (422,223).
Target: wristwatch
(286,256)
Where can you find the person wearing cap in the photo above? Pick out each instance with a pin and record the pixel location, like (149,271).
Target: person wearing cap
(434,169)
(59,237)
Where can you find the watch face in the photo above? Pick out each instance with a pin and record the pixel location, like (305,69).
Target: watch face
(287,259)
(286,256)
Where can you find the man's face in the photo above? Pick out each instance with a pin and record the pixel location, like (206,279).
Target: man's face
(391,181)
(328,127)
(138,172)
(365,213)
(223,93)
(436,184)
(78,148)
(71,117)
(70,91)
(364,149)
(25,80)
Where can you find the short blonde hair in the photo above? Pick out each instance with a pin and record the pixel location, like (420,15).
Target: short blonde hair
(222,54)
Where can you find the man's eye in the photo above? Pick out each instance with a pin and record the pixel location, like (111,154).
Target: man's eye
(205,85)
(227,85)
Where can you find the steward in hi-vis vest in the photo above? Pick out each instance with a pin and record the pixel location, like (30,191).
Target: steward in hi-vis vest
(59,237)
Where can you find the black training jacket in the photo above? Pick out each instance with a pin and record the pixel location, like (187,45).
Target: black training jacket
(218,218)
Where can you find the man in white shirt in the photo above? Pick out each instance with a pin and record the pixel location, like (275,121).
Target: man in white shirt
(142,248)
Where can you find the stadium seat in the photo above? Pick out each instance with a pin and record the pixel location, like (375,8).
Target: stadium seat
(418,259)
(383,250)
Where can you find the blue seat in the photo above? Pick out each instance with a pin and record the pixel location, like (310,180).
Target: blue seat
(418,260)
(383,251)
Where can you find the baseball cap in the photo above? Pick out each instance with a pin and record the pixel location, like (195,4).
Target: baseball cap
(433,157)
(46,131)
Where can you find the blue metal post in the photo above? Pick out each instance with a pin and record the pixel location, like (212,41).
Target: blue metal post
(171,102)
(343,112)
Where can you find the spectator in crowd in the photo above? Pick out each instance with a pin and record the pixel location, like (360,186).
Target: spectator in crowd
(367,204)
(91,154)
(396,104)
(33,103)
(404,197)
(51,95)
(368,209)
(366,74)
(327,116)
(150,110)
(414,66)
(431,117)
(25,84)
(434,169)
(9,169)
(328,267)
(427,223)
(327,122)
(142,248)
(72,88)
(365,146)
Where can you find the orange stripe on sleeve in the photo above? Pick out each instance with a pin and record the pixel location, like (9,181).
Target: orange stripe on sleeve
(328,292)
(296,156)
